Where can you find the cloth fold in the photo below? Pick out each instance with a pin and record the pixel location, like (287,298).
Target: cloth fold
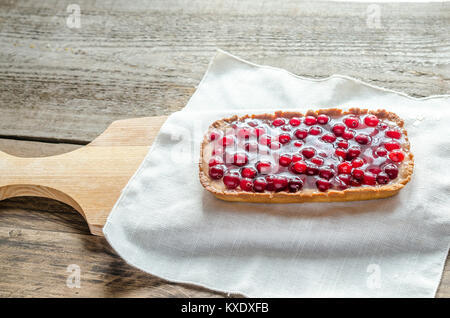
(166,224)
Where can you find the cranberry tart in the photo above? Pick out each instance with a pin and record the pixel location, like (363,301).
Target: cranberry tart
(324,155)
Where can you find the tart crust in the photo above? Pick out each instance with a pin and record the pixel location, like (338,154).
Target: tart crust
(351,194)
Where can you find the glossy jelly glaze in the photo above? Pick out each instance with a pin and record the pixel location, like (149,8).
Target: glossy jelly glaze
(307,153)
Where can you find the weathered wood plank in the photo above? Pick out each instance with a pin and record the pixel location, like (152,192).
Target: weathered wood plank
(444,287)
(140,58)
(22,215)
(36,247)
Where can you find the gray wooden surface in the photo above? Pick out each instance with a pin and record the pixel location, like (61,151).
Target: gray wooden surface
(60,87)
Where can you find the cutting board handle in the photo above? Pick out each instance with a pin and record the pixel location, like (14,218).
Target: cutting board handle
(88,179)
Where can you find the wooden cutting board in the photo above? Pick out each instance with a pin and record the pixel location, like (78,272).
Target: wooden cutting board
(89,179)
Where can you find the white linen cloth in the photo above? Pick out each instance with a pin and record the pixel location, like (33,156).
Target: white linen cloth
(166,224)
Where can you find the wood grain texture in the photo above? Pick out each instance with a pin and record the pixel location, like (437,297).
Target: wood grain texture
(24,149)
(36,247)
(145,58)
(89,179)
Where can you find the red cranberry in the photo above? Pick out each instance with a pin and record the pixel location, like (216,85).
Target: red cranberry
(392,145)
(259,131)
(285,128)
(240,159)
(357,162)
(374,170)
(299,167)
(244,133)
(353,152)
(285,160)
(274,145)
(358,173)
(371,120)
(338,183)
(346,178)
(323,185)
(310,120)
(351,121)
(280,183)
(343,144)
(295,121)
(248,172)
(323,119)
(311,170)
(298,144)
(380,152)
(259,184)
(316,130)
(397,156)
(297,157)
(355,182)
(251,146)
(382,178)
(214,135)
(338,130)
(393,134)
(295,184)
(345,167)
(278,122)
(227,141)
(264,167)
(369,178)
(308,152)
(246,184)
(341,152)
(269,180)
(216,172)
(215,161)
(284,138)
(329,138)
(265,140)
(391,170)
(317,161)
(231,180)
(326,173)
(348,134)
(301,133)
(382,126)
(362,139)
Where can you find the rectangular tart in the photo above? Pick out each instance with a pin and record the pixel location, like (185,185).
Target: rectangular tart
(321,156)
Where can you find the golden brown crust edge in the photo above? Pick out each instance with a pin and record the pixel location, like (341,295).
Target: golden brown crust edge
(352,194)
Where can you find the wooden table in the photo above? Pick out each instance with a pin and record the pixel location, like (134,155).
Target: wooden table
(61,87)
